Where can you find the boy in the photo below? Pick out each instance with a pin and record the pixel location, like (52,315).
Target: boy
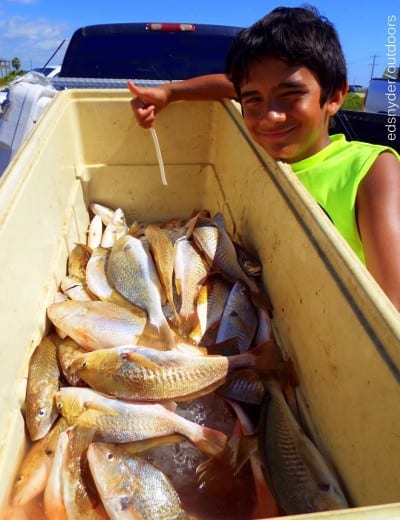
(289,74)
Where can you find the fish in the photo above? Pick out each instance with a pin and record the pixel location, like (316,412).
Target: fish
(210,303)
(163,253)
(131,271)
(266,505)
(104,212)
(77,260)
(264,328)
(298,474)
(97,324)
(95,232)
(250,265)
(53,501)
(239,319)
(115,229)
(78,501)
(67,351)
(97,282)
(35,467)
(130,487)
(75,288)
(119,421)
(217,246)
(40,410)
(190,272)
(146,374)
(244,385)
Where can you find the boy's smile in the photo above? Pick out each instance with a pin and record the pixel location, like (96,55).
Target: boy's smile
(281,109)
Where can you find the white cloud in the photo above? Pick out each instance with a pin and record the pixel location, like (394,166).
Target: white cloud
(33,41)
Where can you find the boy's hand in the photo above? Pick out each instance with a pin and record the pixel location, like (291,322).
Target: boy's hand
(147,102)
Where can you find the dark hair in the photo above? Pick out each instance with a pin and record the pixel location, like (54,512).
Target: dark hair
(299,36)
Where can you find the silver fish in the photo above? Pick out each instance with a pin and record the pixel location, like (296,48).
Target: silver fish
(239,319)
(300,477)
(130,487)
(131,270)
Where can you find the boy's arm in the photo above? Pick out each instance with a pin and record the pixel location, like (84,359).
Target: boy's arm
(378,215)
(148,101)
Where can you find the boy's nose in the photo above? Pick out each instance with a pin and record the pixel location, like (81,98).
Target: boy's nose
(273,116)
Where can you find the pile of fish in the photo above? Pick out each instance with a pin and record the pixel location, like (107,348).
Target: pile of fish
(149,321)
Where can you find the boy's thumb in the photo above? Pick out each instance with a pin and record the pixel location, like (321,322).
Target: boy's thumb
(133,88)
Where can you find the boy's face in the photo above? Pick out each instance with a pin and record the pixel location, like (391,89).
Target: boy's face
(281,109)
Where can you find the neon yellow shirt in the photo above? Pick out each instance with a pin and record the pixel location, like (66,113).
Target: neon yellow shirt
(333,175)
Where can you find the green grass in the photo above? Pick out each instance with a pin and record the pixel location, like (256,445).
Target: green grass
(353,101)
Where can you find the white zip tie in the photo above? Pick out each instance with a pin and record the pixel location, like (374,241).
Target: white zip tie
(159,157)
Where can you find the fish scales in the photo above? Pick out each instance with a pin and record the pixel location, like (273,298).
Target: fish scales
(118,421)
(148,374)
(132,272)
(300,477)
(130,487)
(41,412)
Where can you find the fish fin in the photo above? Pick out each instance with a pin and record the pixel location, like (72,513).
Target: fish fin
(170,405)
(268,357)
(187,323)
(228,347)
(156,336)
(138,359)
(147,444)
(212,442)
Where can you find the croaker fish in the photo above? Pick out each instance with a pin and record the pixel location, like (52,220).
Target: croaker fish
(130,487)
(97,324)
(95,232)
(220,252)
(41,411)
(190,272)
(299,476)
(146,374)
(33,473)
(210,304)
(163,253)
(104,212)
(75,288)
(115,229)
(53,500)
(77,260)
(131,270)
(97,282)
(239,319)
(79,503)
(118,421)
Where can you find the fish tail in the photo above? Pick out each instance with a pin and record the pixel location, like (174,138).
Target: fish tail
(268,357)
(212,442)
(158,336)
(188,323)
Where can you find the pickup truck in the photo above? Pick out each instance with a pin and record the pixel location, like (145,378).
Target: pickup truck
(329,315)
(383,96)
(106,55)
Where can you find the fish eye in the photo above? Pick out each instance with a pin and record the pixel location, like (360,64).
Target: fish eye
(84,364)
(110,456)
(324,486)
(42,412)
(59,405)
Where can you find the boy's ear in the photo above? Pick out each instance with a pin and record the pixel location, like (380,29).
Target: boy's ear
(335,101)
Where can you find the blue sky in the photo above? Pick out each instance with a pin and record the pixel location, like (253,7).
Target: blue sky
(32,29)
